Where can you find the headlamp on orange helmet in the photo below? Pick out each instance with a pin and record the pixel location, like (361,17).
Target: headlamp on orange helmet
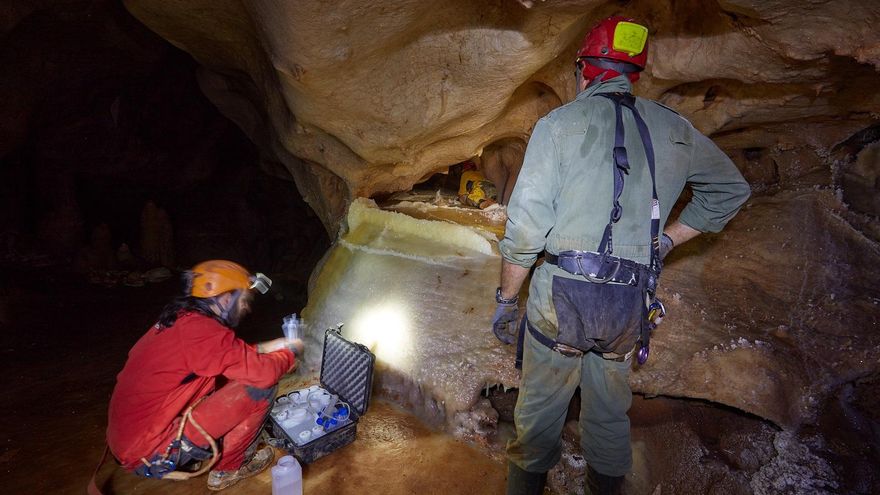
(214,277)
(618,45)
(260,283)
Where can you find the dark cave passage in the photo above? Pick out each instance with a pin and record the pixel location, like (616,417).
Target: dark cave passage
(120,147)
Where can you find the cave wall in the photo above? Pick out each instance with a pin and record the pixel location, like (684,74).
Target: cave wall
(358,98)
(362,98)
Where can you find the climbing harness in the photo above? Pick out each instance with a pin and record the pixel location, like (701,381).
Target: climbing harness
(162,466)
(603,267)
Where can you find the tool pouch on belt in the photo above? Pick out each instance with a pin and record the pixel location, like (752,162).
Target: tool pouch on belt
(606,318)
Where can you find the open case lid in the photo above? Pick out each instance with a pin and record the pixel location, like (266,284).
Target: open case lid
(347,370)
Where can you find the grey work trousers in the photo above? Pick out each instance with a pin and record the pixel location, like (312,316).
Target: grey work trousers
(548,383)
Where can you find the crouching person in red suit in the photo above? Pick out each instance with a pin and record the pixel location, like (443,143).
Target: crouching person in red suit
(167,411)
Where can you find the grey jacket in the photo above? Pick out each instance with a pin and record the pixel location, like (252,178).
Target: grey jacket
(563,195)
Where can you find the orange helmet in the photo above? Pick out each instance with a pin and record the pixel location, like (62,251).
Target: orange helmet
(214,277)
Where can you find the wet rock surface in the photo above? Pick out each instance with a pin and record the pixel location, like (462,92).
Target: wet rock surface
(788,283)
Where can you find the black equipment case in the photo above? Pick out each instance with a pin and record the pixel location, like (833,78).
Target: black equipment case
(346,371)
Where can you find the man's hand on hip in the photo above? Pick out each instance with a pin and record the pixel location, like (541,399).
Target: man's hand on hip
(675,234)
(666,245)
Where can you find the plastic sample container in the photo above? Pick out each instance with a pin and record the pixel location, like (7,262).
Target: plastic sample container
(346,371)
(287,477)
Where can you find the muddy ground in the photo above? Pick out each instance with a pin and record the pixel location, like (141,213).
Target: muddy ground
(64,340)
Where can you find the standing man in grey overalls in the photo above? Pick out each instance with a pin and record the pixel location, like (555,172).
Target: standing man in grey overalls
(599,179)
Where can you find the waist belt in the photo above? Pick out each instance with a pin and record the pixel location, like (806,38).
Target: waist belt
(600,268)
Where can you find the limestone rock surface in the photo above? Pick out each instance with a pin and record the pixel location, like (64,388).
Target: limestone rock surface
(417,293)
(356,98)
(770,317)
(772,314)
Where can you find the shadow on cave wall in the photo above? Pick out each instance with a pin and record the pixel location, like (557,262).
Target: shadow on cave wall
(108,141)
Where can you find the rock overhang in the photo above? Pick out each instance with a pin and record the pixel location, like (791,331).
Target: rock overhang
(356,98)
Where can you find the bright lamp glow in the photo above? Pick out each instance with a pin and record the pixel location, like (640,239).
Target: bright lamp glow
(384,329)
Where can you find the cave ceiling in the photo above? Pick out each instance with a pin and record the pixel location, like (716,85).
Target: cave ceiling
(356,98)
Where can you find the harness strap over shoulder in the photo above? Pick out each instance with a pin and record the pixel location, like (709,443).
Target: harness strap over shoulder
(621,167)
(606,246)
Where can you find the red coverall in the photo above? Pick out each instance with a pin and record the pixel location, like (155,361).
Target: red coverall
(170,369)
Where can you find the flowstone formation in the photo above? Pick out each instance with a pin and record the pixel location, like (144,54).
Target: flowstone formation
(416,292)
(768,317)
(775,318)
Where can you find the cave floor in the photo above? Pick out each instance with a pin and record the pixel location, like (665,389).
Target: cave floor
(66,341)
(394,453)
(63,341)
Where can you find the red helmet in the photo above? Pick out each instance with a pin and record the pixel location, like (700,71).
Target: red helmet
(617,45)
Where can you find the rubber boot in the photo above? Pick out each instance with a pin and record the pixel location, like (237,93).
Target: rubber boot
(520,482)
(600,484)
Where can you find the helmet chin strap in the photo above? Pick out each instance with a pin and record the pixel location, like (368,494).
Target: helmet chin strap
(226,312)
(579,78)
(597,70)
(592,73)
(596,80)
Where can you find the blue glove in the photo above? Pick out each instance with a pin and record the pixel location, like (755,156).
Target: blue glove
(505,318)
(504,322)
(666,245)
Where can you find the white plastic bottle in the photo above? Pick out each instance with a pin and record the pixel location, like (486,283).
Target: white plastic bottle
(287,477)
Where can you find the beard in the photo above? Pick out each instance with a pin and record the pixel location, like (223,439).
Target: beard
(233,316)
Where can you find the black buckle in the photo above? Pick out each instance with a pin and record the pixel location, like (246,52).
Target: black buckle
(597,279)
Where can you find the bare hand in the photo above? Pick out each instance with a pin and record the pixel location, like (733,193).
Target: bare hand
(295,345)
